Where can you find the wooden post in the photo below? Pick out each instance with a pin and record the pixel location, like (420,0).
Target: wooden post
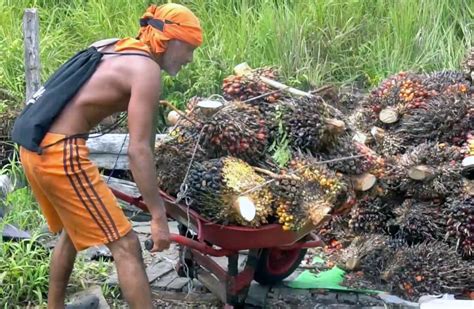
(32,56)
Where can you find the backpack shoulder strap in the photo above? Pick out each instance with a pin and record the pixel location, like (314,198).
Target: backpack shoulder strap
(127,54)
(103,43)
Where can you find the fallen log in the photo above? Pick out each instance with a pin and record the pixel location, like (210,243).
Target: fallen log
(110,151)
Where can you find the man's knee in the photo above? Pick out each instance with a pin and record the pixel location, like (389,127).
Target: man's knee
(126,246)
(65,242)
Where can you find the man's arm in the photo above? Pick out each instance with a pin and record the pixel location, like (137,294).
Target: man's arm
(145,93)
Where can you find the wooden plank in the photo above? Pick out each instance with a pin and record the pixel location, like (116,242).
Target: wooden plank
(113,143)
(109,151)
(177,284)
(206,300)
(125,186)
(158,270)
(31,51)
(164,281)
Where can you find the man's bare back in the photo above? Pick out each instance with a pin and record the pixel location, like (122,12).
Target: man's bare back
(106,92)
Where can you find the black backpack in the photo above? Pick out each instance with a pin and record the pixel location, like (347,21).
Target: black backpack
(46,104)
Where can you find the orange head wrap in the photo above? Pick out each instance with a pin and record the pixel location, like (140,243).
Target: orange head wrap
(170,21)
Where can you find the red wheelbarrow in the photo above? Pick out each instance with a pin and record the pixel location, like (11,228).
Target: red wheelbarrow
(273,254)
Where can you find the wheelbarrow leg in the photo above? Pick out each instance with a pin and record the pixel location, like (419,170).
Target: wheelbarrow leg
(238,284)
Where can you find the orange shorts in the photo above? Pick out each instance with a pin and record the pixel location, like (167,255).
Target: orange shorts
(72,194)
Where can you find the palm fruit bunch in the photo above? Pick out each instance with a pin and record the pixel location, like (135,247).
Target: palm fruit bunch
(402,91)
(215,185)
(386,142)
(416,221)
(368,162)
(309,125)
(468,65)
(272,114)
(428,268)
(172,158)
(288,195)
(432,171)
(393,177)
(311,194)
(335,232)
(445,118)
(460,212)
(361,247)
(244,87)
(331,184)
(446,82)
(236,130)
(365,259)
(370,215)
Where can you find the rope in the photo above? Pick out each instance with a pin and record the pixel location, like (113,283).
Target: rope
(182,194)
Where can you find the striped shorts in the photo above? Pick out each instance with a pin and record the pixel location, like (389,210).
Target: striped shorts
(72,194)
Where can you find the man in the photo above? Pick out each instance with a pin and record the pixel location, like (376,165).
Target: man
(67,185)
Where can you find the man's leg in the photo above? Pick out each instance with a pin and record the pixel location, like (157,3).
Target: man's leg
(131,271)
(62,262)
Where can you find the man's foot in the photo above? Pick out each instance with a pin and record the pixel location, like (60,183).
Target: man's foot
(86,302)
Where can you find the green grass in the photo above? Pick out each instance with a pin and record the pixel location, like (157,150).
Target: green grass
(313,42)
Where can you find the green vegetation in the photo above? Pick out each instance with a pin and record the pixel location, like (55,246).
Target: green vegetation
(313,42)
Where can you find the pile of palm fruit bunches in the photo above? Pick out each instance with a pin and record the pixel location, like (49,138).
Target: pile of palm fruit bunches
(388,186)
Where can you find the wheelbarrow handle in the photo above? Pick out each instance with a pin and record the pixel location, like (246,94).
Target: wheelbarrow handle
(173,237)
(193,244)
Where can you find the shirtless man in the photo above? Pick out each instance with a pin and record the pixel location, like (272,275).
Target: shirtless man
(67,185)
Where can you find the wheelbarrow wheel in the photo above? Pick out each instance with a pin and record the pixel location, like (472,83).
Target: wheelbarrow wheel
(274,264)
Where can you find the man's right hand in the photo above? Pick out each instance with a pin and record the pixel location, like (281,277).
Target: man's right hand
(160,234)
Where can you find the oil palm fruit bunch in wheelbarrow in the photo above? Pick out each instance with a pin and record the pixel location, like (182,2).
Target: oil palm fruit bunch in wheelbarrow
(428,268)
(248,86)
(444,118)
(416,222)
(368,161)
(172,158)
(309,124)
(432,171)
(310,196)
(227,191)
(236,130)
(460,221)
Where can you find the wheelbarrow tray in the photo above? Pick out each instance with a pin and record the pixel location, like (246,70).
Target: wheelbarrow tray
(233,238)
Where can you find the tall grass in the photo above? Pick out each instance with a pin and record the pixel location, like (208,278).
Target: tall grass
(313,42)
